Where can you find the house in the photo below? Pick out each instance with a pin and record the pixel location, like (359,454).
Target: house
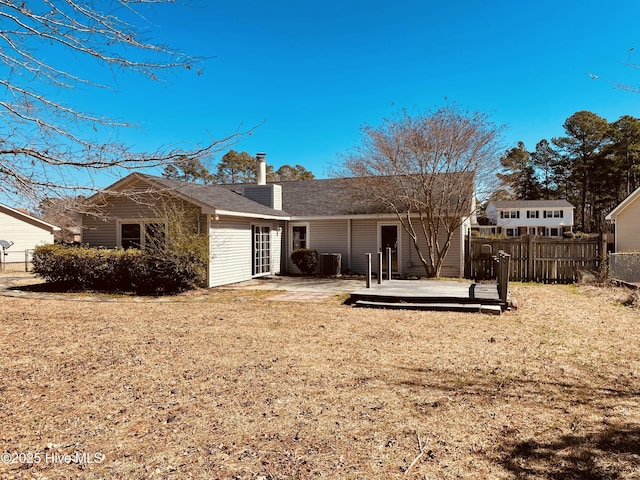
(23,233)
(626,220)
(549,218)
(253,228)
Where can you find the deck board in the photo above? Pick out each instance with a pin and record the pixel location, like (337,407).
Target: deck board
(429,292)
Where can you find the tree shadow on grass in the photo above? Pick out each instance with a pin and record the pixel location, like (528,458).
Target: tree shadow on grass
(602,451)
(608,454)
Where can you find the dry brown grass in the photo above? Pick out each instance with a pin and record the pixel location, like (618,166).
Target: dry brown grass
(248,388)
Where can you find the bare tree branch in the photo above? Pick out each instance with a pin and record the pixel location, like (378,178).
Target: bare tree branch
(427,169)
(49,147)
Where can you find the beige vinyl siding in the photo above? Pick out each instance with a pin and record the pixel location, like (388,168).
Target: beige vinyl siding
(277,240)
(103,230)
(230,249)
(24,235)
(628,228)
(364,239)
(452,264)
(323,236)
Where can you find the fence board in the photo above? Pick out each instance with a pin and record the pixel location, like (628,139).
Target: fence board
(539,259)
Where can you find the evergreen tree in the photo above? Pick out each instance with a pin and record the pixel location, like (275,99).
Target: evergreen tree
(236,168)
(582,160)
(520,177)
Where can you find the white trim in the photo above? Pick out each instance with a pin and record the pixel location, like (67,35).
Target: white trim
(252,252)
(258,216)
(24,217)
(398,226)
(624,204)
(290,232)
(140,221)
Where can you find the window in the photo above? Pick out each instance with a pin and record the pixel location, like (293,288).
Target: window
(299,237)
(154,235)
(131,235)
(553,214)
(533,214)
(554,232)
(510,214)
(512,232)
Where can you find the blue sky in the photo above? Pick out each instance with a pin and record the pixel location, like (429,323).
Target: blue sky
(312,73)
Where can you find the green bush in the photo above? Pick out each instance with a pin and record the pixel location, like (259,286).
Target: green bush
(144,272)
(305,259)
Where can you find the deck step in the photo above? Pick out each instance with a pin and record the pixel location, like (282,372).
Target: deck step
(443,307)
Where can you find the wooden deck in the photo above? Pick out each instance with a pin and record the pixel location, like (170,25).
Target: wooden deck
(431,295)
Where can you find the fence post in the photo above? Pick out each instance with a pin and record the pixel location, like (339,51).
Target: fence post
(503,284)
(530,258)
(368,257)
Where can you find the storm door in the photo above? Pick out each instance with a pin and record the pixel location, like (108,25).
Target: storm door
(389,236)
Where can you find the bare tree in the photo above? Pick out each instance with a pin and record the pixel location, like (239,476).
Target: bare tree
(425,169)
(50,148)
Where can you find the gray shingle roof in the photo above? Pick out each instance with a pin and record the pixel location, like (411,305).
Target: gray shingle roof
(216,197)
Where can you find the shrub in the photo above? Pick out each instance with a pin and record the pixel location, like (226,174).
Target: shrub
(305,259)
(145,272)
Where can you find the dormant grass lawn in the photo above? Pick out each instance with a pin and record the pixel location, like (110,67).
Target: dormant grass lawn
(236,386)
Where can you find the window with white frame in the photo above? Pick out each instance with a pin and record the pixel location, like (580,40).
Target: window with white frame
(299,238)
(553,214)
(510,214)
(141,234)
(533,214)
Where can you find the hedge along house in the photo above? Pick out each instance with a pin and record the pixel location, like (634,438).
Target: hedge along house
(253,228)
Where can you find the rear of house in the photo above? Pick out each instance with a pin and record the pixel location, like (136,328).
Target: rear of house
(252,229)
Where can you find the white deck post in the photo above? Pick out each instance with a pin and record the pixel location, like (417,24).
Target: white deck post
(368,261)
(389,266)
(379,268)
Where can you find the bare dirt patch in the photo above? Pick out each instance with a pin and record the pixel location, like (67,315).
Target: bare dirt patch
(235,386)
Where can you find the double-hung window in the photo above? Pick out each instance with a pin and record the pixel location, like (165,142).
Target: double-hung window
(141,234)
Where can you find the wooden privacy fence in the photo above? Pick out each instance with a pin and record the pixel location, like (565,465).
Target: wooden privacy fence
(533,259)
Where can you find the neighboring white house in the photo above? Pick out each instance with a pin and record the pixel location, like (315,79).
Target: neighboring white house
(626,220)
(549,218)
(23,232)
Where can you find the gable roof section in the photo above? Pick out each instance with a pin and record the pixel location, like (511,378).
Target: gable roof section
(213,199)
(28,218)
(300,198)
(532,204)
(633,197)
(345,196)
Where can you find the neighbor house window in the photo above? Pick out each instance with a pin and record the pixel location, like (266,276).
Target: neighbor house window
(510,214)
(553,214)
(533,214)
(512,232)
(554,232)
(299,237)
